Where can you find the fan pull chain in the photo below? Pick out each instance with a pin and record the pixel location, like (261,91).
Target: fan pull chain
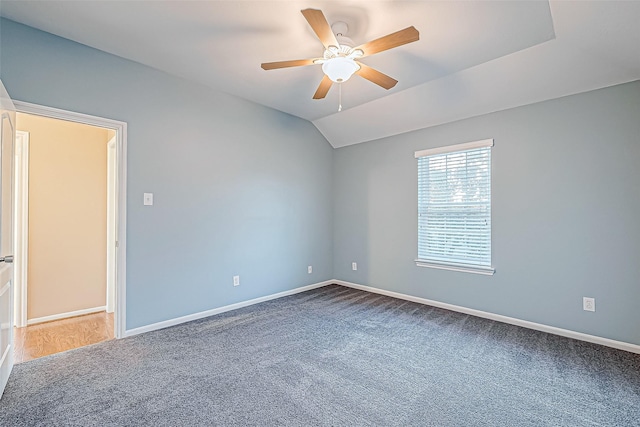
(339,97)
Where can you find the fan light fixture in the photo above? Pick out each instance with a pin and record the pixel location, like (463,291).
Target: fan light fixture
(339,69)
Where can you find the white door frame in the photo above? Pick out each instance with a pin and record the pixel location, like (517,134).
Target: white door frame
(112,206)
(21,227)
(121,190)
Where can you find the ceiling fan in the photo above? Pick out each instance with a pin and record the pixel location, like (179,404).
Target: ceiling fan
(340,58)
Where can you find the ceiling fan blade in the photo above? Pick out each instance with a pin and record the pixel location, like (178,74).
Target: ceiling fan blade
(408,35)
(376,76)
(321,27)
(285,64)
(324,87)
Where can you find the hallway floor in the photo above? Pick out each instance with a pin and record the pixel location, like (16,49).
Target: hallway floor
(43,339)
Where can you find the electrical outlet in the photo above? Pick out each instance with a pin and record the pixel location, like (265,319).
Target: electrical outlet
(354,266)
(310,269)
(236,280)
(588,304)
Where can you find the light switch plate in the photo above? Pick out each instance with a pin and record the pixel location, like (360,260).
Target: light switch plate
(588,304)
(148,199)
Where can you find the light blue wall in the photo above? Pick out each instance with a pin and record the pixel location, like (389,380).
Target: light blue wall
(243,189)
(566,206)
(238,188)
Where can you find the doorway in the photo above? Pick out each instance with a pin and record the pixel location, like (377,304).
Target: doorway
(88,298)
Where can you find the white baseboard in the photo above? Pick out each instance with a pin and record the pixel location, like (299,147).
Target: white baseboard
(633,348)
(65,315)
(207,313)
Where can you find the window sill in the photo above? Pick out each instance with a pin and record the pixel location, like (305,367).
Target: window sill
(465,268)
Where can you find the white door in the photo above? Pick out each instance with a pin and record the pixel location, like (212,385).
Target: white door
(7,139)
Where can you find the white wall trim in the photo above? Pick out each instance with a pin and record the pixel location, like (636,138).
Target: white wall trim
(452,148)
(207,313)
(621,345)
(451,266)
(21,226)
(121,204)
(65,315)
(112,203)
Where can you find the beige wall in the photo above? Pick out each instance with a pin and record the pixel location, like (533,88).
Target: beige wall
(67,216)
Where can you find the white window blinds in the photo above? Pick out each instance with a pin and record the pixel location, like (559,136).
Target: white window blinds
(454,207)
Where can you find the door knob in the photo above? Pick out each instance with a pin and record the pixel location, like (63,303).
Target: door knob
(8,259)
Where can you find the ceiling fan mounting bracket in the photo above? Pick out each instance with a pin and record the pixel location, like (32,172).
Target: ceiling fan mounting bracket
(340,28)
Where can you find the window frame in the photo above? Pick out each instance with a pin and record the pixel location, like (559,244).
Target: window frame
(450,265)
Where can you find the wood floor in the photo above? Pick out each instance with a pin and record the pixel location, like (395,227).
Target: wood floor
(57,336)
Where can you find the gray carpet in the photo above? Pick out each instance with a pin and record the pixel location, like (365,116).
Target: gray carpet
(332,357)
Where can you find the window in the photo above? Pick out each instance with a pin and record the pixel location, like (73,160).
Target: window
(454,207)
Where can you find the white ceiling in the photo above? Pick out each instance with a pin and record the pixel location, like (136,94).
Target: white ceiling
(472,58)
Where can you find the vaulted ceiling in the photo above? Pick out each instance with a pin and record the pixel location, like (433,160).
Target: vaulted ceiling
(473,57)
